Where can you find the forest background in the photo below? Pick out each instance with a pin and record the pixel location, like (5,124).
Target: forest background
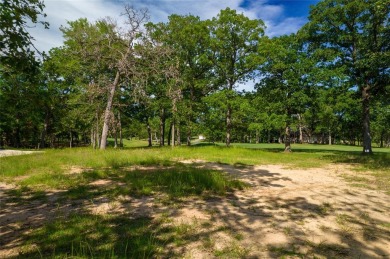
(173,81)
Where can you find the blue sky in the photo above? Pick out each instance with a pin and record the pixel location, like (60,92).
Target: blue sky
(280,16)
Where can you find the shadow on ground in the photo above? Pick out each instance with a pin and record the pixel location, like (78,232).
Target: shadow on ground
(234,212)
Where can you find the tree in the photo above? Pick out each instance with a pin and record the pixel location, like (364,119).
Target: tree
(19,72)
(381,123)
(235,40)
(355,35)
(286,76)
(21,102)
(189,38)
(107,50)
(267,117)
(15,16)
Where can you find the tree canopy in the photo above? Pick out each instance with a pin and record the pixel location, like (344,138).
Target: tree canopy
(356,36)
(15,17)
(173,81)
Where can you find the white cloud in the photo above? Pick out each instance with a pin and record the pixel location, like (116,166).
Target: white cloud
(286,26)
(206,9)
(265,11)
(60,11)
(274,17)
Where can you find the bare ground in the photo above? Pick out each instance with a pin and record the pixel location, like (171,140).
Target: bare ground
(7,152)
(285,212)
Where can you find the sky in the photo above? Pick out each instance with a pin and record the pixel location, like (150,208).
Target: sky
(280,16)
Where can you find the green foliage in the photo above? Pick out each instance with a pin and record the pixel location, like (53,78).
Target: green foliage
(22,103)
(22,93)
(354,36)
(235,41)
(15,41)
(381,123)
(185,72)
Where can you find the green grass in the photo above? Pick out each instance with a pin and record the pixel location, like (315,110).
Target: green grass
(233,250)
(182,181)
(136,170)
(127,143)
(176,182)
(48,169)
(307,147)
(89,236)
(86,235)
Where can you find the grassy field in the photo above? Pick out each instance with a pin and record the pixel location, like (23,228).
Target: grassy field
(46,170)
(155,172)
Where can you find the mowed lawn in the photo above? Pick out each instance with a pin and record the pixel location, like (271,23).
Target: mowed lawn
(54,192)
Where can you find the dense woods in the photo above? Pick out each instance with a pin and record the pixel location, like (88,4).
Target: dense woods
(171,82)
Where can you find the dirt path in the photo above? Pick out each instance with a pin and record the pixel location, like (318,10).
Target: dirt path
(304,212)
(294,213)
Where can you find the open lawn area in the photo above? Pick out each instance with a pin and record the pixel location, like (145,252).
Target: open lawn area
(204,201)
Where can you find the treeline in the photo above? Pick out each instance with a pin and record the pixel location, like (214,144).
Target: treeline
(171,82)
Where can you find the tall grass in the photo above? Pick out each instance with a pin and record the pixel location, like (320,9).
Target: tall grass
(51,168)
(182,181)
(94,236)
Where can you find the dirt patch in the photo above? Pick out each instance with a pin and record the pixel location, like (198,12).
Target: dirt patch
(6,152)
(77,170)
(283,212)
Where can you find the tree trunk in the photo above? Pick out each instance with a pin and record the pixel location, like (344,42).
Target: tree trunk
(155,136)
(120,130)
(16,137)
(149,136)
(115,139)
(52,140)
(367,149)
(269,136)
(189,137)
(173,134)
(93,138)
(44,131)
(178,136)
(97,130)
(115,129)
(107,112)
(190,116)
(381,140)
(170,134)
(280,139)
(330,137)
(300,129)
(228,124)
(162,126)
(70,139)
(287,140)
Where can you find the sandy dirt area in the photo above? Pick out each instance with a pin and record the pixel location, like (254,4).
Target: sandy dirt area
(293,213)
(7,152)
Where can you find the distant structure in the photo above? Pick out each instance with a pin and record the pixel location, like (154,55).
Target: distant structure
(201,137)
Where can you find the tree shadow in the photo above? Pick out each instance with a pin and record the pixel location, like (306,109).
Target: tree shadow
(143,204)
(375,161)
(90,235)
